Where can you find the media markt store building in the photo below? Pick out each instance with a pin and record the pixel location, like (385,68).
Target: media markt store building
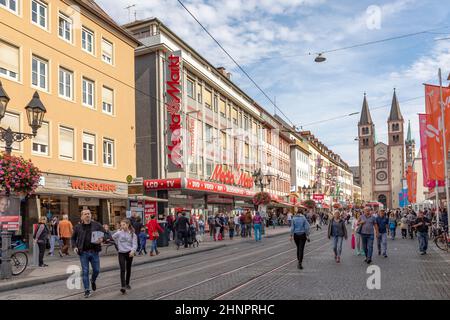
(59,194)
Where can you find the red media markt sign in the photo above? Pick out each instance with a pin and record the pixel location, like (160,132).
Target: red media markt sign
(318,197)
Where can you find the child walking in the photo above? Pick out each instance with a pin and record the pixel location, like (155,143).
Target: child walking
(142,241)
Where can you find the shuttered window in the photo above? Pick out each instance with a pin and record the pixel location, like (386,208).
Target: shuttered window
(66,143)
(9,60)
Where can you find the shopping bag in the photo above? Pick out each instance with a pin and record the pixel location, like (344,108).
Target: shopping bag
(353,242)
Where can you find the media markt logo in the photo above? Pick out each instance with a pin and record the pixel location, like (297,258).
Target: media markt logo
(374,281)
(74,280)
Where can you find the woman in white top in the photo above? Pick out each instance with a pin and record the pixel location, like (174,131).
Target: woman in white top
(358,249)
(126,241)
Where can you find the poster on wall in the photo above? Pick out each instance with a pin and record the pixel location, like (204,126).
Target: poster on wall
(10,213)
(151,208)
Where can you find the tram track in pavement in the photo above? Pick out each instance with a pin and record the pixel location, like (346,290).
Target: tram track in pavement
(246,282)
(215,256)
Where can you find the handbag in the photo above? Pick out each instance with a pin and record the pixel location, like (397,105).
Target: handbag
(155,234)
(353,242)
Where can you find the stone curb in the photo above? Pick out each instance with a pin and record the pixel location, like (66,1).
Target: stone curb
(58,277)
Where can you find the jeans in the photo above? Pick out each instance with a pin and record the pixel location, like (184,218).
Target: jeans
(53,239)
(289,223)
(392,231)
(423,241)
(182,236)
(41,245)
(248,228)
(243,231)
(154,245)
(231,232)
(216,235)
(367,243)
(300,241)
(337,245)
(142,247)
(358,242)
(87,257)
(125,262)
(257,227)
(404,231)
(201,230)
(382,243)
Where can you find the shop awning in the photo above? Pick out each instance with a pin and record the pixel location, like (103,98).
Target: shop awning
(80,194)
(146,198)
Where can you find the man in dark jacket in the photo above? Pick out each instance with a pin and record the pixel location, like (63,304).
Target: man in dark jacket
(182,226)
(83,236)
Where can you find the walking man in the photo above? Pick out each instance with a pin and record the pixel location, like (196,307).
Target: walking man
(421,224)
(182,226)
(382,222)
(257,224)
(369,228)
(86,241)
(300,232)
(65,230)
(54,236)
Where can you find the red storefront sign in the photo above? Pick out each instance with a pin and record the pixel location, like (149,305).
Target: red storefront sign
(173,91)
(318,197)
(163,184)
(92,186)
(196,185)
(199,185)
(228,177)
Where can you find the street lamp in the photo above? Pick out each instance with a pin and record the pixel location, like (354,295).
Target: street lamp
(35,113)
(320,58)
(258,178)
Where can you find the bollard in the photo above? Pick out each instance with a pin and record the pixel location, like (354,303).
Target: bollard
(6,269)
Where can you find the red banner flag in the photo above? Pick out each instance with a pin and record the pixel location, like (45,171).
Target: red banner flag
(409,180)
(424,151)
(434,132)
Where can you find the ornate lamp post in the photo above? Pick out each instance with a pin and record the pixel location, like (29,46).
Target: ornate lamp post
(35,114)
(258,177)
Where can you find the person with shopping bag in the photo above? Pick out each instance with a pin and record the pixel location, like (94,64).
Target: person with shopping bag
(153,230)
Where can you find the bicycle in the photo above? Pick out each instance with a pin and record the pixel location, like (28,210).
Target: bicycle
(440,237)
(19,258)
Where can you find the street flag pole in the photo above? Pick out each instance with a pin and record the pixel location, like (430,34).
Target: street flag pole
(445,146)
(437,202)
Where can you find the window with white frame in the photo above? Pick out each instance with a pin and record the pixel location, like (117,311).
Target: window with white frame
(9,60)
(107,51)
(66,83)
(65,27)
(190,88)
(87,40)
(66,143)
(11,120)
(10,5)
(88,148)
(39,73)
(107,100)
(40,142)
(88,92)
(39,14)
(108,152)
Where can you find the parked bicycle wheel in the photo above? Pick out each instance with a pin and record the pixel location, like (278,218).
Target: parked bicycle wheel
(441,242)
(19,262)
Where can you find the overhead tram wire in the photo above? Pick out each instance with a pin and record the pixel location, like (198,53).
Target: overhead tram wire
(354,113)
(235,62)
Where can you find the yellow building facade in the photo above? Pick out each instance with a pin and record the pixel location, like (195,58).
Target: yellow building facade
(82,65)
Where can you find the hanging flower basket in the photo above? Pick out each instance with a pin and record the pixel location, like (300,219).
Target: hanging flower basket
(18,175)
(310,204)
(261,198)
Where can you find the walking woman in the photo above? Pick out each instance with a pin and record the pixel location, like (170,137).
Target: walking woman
(126,240)
(300,232)
(257,225)
(40,237)
(153,227)
(392,225)
(358,248)
(338,231)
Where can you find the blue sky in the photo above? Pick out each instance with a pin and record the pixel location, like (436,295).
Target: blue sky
(272,39)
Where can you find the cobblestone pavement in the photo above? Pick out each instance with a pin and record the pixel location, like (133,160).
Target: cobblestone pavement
(267,271)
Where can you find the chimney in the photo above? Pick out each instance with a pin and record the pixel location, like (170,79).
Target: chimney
(224,72)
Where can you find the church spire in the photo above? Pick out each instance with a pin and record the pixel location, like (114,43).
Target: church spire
(409,136)
(395,114)
(365,113)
